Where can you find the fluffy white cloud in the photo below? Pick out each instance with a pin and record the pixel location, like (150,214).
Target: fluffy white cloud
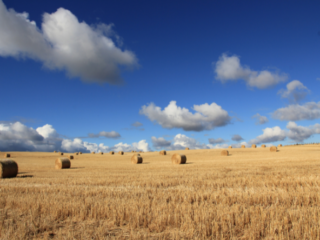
(296,112)
(206,117)
(92,57)
(215,141)
(112,134)
(260,119)
(47,131)
(300,133)
(270,135)
(228,68)
(75,145)
(237,138)
(160,142)
(295,91)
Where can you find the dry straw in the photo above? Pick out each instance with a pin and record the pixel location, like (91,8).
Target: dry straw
(111,152)
(273,149)
(120,152)
(178,158)
(263,145)
(280,145)
(71,157)
(187,148)
(243,146)
(93,153)
(254,146)
(224,153)
(80,152)
(54,151)
(136,159)
(163,152)
(132,151)
(6,155)
(8,168)
(101,153)
(76,153)
(230,146)
(63,163)
(61,153)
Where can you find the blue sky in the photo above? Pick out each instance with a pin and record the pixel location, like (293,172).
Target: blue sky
(98,75)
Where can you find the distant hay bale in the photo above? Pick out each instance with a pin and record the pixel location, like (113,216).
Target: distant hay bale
(8,168)
(80,152)
(111,152)
(63,163)
(187,148)
(243,146)
(263,145)
(178,158)
(76,153)
(7,155)
(61,153)
(71,157)
(253,146)
(93,152)
(224,153)
(136,159)
(54,151)
(230,146)
(132,151)
(140,151)
(280,145)
(273,149)
(120,152)
(101,153)
(163,152)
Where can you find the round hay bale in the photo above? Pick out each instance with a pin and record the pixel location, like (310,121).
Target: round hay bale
(230,146)
(224,153)
(120,152)
(178,158)
(111,152)
(263,145)
(136,159)
(273,149)
(253,146)
(54,151)
(101,153)
(71,157)
(243,146)
(63,163)
(80,152)
(280,145)
(7,155)
(187,148)
(93,153)
(132,151)
(8,168)
(163,152)
(61,153)
(76,153)
(140,151)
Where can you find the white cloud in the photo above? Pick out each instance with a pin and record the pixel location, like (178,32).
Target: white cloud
(295,91)
(236,137)
(75,145)
(215,141)
(206,117)
(260,119)
(47,131)
(93,57)
(229,69)
(112,134)
(300,133)
(296,112)
(270,135)
(160,142)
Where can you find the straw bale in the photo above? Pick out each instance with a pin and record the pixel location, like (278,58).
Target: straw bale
(132,151)
(71,157)
(101,153)
(230,146)
(273,149)
(63,163)
(280,145)
(187,148)
(8,168)
(263,145)
(178,158)
(111,152)
(163,152)
(93,152)
(80,152)
(76,153)
(243,146)
(7,155)
(136,159)
(54,151)
(61,153)
(224,153)
(120,152)
(253,146)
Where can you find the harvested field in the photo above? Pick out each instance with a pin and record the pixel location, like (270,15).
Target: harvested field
(251,194)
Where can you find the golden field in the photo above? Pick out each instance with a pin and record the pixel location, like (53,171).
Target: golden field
(251,194)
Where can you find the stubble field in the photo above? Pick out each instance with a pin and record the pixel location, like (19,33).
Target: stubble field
(251,194)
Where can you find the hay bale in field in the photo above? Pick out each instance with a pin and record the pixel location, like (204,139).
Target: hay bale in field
(224,153)
(280,145)
(93,152)
(71,157)
(253,146)
(132,151)
(76,153)
(178,158)
(140,151)
(136,159)
(7,155)
(63,163)
(243,146)
(8,168)
(101,153)
(263,145)
(230,146)
(187,148)
(163,152)
(120,152)
(61,153)
(273,149)
(80,152)
(54,151)
(111,152)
